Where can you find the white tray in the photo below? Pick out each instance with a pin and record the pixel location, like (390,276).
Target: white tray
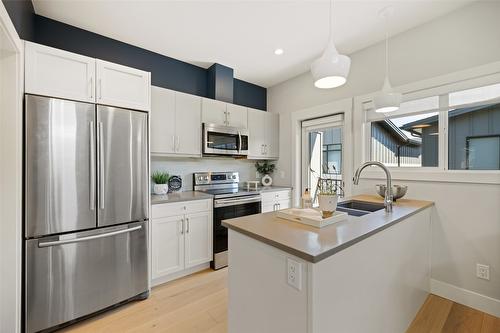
(311,216)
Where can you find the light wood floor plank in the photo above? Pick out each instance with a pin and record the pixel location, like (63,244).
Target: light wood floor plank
(463,319)
(431,316)
(490,324)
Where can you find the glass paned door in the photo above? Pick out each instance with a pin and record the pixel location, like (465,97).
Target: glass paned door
(322,151)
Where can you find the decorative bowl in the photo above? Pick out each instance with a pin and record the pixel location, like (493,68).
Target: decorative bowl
(398,191)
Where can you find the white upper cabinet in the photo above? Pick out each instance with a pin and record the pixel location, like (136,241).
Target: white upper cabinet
(188,124)
(213,112)
(163,140)
(237,116)
(57,73)
(263,130)
(175,123)
(123,86)
(223,114)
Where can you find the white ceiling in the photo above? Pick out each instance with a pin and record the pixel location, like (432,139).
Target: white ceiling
(244,34)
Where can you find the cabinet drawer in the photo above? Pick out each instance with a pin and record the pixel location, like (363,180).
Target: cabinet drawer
(276,196)
(179,208)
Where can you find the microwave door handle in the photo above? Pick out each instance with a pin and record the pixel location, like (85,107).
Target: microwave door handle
(239,143)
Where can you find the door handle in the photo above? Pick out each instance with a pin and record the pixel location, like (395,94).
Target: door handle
(100,89)
(92,166)
(187,225)
(101,165)
(182,226)
(87,238)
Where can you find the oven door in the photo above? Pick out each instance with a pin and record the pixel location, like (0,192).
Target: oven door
(224,140)
(225,209)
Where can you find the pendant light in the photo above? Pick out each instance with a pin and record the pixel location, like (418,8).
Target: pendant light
(331,69)
(387,100)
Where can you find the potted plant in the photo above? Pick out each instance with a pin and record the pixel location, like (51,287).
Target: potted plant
(160,179)
(265,168)
(327,189)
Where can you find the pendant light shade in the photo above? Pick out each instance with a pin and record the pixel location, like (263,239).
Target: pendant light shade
(331,69)
(387,100)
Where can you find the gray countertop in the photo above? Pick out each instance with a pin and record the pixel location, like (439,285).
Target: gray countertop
(315,244)
(179,196)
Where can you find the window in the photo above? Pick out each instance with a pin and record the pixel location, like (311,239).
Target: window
(483,153)
(411,141)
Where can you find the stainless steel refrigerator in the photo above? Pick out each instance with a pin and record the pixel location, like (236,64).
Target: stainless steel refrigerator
(86,209)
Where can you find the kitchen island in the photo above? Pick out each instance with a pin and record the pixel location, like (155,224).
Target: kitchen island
(365,274)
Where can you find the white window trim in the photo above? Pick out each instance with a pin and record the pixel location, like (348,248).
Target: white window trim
(442,85)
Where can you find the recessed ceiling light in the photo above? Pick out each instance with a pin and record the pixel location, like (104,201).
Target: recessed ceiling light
(278,51)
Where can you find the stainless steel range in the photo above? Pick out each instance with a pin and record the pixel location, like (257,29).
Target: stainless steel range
(229,202)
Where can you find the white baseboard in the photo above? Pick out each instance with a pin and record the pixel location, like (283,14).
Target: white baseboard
(177,275)
(466,297)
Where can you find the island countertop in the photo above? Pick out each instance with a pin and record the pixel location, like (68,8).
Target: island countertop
(315,244)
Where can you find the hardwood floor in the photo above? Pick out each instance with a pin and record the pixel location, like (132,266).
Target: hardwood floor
(440,315)
(198,304)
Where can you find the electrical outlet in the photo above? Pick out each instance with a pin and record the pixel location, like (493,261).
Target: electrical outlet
(483,271)
(294,273)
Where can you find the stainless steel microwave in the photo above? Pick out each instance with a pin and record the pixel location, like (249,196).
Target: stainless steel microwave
(224,140)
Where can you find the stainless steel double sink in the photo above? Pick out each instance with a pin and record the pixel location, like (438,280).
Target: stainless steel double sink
(358,208)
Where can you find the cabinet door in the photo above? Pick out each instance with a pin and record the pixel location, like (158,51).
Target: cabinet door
(268,207)
(257,133)
(123,86)
(198,238)
(57,73)
(213,112)
(162,121)
(167,246)
(272,135)
(188,124)
(237,116)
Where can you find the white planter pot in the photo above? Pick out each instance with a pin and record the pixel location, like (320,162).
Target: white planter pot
(160,188)
(327,204)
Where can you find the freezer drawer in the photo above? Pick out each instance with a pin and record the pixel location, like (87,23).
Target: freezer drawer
(73,275)
(123,165)
(60,166)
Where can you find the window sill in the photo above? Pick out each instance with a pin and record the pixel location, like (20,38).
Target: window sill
(434,175)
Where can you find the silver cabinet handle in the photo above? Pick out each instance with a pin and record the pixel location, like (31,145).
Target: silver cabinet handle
(178,143)
(101,165)
(92,166)
(187,227)
(100,89)
(83,239)
(173,142)
(182,226)
(228,118)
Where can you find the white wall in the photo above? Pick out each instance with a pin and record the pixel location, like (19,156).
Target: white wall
(466,223)
(185,167)
(462,39)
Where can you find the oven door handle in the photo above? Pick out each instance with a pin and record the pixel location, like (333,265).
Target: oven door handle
(234,202)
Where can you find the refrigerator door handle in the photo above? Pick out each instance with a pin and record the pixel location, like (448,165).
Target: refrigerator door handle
(87,238)
(92,166)
(101,165)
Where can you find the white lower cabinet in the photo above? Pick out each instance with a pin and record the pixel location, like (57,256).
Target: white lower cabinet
(181,239)
(276,200)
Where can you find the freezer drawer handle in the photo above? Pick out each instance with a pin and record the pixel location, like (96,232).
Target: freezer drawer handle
(83,239)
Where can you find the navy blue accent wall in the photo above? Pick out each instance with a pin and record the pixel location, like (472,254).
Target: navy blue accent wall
(22,15)
(166,72)
(250,95)
(220,83)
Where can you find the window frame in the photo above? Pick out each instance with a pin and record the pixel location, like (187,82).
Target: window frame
(442,87)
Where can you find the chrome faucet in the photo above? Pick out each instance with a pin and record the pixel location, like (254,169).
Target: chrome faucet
(388,188)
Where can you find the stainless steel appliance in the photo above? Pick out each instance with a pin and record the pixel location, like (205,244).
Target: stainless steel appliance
(86,209)
(224,140)
(229,202)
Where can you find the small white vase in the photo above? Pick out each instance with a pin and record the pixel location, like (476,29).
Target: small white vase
(327,204)
(267,180)
(160,189)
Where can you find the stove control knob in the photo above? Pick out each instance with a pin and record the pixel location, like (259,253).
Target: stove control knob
(205,178)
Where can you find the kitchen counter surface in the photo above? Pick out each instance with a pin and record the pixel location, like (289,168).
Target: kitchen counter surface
(179,196)
(315,244)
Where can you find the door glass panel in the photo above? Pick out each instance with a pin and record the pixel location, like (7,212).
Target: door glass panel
(323,154)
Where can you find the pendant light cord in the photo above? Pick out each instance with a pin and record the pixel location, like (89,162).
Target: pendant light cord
(330,24)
